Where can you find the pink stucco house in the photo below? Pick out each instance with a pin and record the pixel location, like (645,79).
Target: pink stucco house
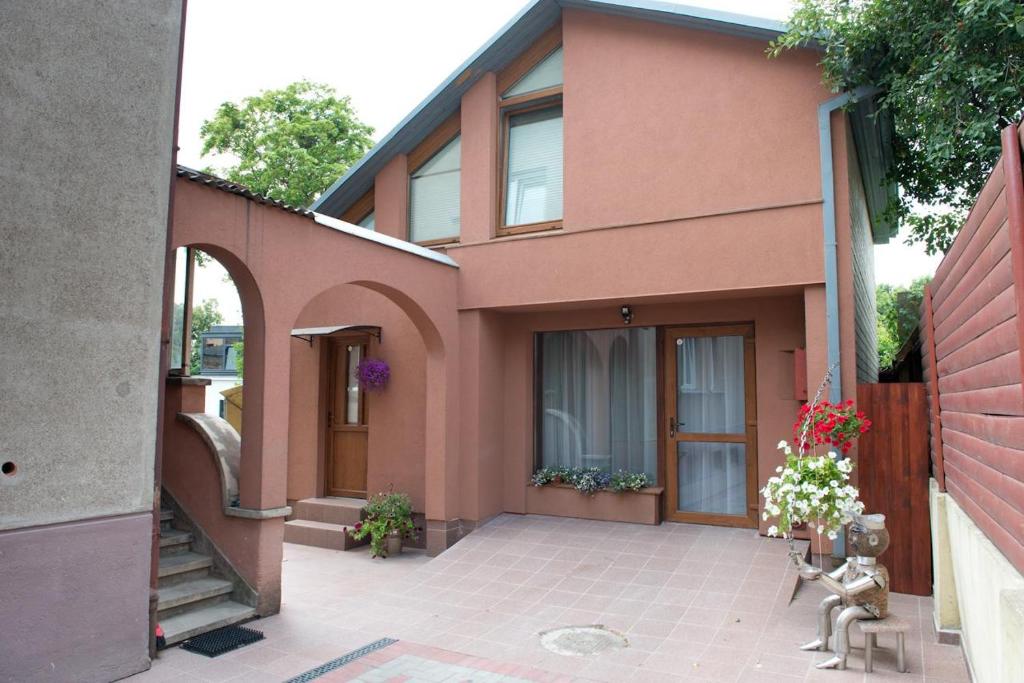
(663,238)
(619,236)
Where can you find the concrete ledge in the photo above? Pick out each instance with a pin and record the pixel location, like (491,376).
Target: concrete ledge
(560,500)
(252,513)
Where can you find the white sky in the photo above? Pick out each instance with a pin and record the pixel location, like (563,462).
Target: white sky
(387,55)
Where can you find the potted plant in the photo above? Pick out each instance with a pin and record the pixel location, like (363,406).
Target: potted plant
(373,373)
(388,521)
(813,487)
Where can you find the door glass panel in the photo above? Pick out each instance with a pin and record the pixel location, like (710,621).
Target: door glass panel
(712,477)
(352,395)
(709,384)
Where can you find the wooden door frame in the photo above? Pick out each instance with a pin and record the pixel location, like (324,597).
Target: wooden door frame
(668,443)
(329,376)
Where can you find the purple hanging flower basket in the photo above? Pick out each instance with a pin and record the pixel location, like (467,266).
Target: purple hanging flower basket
(373,373)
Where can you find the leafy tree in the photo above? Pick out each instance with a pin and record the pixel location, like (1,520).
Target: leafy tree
(239,348)
(291,144)
(204,316)
(899,310)
(950,73)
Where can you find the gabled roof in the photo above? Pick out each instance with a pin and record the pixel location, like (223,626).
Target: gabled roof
(515,37)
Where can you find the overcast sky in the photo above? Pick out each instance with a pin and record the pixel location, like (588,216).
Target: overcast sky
(387,55)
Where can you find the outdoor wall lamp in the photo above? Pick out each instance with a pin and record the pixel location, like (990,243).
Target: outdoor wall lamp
(627,314)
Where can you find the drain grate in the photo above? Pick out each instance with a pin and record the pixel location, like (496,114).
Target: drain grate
(330,666)
(580,641)
(216,643)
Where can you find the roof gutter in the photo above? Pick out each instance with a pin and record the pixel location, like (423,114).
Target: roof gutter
(828,208)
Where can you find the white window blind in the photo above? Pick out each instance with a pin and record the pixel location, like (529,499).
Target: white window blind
(534,189)
(370,222)
(434,196)
(547,74)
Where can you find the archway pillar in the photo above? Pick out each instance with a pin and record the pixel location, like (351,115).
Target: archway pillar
(443,423)
(264,461)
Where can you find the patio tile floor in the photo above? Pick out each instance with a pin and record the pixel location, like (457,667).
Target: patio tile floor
(696,603)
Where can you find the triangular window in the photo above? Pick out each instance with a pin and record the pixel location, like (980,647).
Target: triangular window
(546,74)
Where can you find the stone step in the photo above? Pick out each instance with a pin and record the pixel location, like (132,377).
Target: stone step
(204,618)
(188,592)
(166,515)
(320,534)
(344,511)
(173,541)
(182,565)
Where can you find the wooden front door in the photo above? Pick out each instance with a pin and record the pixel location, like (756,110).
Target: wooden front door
(711,430)
(347,431)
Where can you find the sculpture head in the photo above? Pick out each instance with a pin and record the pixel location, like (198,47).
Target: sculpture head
(868,535)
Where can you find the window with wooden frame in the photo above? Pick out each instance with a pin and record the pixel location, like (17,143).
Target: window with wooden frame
(361,212)
(434,186)
(531,150)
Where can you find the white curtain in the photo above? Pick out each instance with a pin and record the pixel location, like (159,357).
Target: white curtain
(710,399)
(598,400)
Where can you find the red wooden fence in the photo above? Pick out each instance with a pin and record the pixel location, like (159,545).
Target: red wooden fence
(892,474)
(972,335)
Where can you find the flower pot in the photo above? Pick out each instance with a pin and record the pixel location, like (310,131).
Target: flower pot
(393,544)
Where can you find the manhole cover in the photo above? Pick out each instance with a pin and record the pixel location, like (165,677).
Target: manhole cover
(578,641)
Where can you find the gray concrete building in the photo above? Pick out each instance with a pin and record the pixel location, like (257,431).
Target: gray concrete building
(87,112)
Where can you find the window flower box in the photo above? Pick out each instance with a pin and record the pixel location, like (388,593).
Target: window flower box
(563,500)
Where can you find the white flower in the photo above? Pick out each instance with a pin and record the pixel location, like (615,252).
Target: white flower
(782,444)
(773,530)
(779,468)
(832,535)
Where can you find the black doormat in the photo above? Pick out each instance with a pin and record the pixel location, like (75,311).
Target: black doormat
(216,643)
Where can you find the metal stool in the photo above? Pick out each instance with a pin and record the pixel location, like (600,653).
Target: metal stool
(891,624)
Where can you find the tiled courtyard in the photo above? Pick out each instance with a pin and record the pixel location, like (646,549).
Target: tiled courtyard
(695,603)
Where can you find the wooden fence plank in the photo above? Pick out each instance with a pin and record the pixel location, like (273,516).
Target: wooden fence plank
(893,478)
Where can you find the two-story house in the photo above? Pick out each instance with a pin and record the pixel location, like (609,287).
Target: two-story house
(663,238)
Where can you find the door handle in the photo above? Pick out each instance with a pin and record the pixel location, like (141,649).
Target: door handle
(671,427)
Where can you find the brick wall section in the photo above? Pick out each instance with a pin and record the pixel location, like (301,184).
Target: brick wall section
(972,345)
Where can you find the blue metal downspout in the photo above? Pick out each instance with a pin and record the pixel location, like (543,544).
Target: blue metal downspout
(828,222)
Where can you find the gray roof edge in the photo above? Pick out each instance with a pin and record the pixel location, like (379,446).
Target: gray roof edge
(384,240)
(530,22)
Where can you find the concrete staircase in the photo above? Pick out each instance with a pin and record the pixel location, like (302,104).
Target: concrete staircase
(192,599)
(324,522)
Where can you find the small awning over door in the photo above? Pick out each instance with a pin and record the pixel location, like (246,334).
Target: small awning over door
(306,334)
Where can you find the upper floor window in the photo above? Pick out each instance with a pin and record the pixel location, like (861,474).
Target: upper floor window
(368,222)
(532,163)
(434,196)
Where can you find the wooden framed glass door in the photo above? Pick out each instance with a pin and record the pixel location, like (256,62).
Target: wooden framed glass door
(347,430)
(711,425)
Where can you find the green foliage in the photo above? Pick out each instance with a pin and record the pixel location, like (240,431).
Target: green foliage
(291,144)
(386,514)
(239,348)
(950,72)
(899,310)
(204,316)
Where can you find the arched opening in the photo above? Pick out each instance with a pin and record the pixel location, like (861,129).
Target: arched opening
(347,439)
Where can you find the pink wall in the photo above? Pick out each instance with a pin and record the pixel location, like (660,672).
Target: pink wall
(663,122)
(779,328)
(396,419)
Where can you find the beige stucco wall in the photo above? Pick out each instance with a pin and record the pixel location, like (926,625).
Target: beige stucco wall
(987,591)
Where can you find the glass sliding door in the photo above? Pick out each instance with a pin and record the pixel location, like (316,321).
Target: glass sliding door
(597,400)
(711,430)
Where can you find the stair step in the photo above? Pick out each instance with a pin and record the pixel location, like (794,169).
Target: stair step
(174,537)
(320,535)
(166,515)
(344,511)
(171,565)
(205,618)
(191,591)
